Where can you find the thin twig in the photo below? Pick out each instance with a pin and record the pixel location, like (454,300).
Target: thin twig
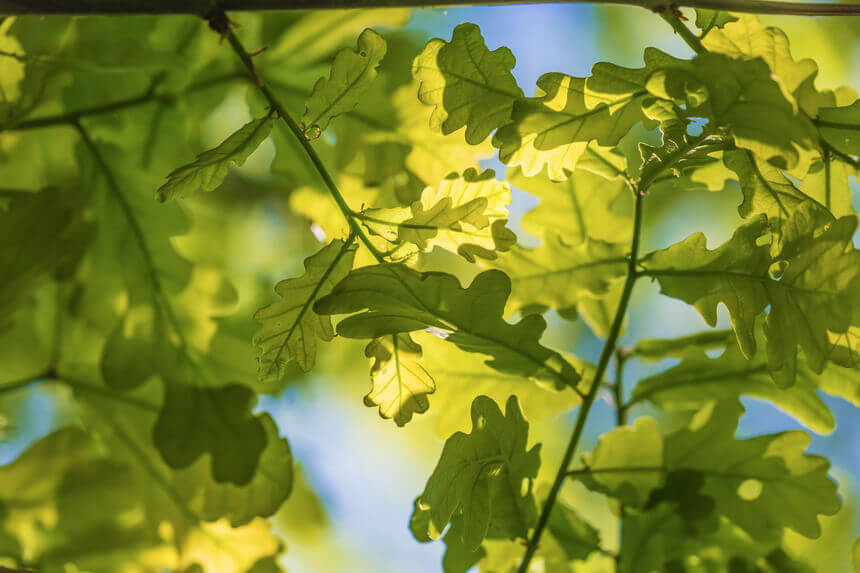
(354,224)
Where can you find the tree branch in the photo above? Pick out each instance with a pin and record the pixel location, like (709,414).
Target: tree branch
(207,7)
(594,390)
(354,225)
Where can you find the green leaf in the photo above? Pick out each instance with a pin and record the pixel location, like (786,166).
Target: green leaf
(732,93)
(577,538)
(199,510)
(553,127)
(352,72)
(735,273)
(29,257)
(485,477)
(289,327)
(452,400)
(433,156)
(817,280)
(12,64)
(221,424)
(465,214)
(396,299)
(581,207)
(840,127)
(699,379)
(766,189)
(654,349)
(746,38)
(855,555)
(467,84)
(208,171)
(400,383)
(639,445)
(707,19)
(750,480)
(557,276)
(827,182)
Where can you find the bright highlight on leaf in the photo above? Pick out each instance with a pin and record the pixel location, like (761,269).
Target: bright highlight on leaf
(464,214)
(400,382)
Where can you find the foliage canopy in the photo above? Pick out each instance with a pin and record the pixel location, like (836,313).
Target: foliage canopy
(143,307)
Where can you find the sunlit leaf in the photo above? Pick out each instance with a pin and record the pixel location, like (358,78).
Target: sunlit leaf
(392,299)
(467,84)
(210,168)
(400,383)
(289,328)
(480,478)
(351,73)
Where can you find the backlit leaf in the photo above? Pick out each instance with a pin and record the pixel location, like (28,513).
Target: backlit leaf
(392,299)
(289,328)
(467,84)
(352,71)
(400,383)
(480,478)
(208,171)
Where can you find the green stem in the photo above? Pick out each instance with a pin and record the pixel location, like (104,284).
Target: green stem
(594,389)
(686,34)
(204,7)
(353,223)
(621,356)
(149,96)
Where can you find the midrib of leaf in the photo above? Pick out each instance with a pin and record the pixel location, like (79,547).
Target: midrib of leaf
(417,226)
(577,211)
(505,345)
(160,297)
(595,110)
(773,192)
(156,475)
(707,471)
(307,303)
(572,268)
(837,125)
(468,80)
(694,379)
(734,274)
(221,157)
(340,96)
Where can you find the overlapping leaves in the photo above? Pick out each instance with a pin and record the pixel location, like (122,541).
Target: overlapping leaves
(391,299)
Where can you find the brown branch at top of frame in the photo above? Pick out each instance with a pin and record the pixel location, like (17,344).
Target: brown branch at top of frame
(205,8)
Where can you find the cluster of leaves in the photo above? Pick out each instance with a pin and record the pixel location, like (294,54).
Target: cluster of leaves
(144,328)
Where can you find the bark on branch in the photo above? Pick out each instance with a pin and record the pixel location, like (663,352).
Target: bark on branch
(207,7)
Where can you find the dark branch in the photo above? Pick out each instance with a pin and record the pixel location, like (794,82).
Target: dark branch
(205,8)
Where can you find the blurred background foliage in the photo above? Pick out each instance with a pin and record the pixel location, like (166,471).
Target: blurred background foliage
(357,474)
